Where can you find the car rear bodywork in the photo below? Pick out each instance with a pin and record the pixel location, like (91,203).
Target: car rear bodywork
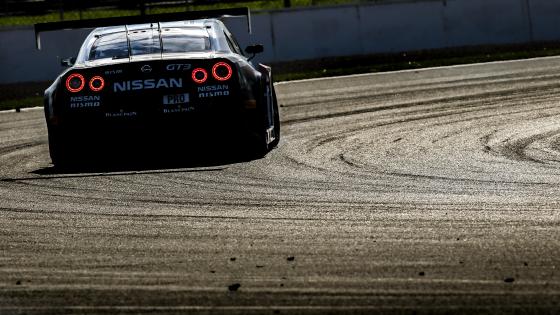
(150,98)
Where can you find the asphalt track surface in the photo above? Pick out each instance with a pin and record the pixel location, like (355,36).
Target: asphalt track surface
(429,191)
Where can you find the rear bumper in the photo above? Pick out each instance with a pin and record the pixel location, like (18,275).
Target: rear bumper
(137,131)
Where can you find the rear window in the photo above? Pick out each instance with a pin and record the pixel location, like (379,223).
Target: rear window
(147,41)
(177,41)
(109,46)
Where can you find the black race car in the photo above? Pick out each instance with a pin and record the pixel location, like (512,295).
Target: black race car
(166,78)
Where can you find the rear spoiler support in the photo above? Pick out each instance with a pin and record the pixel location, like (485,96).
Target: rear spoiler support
(140,19)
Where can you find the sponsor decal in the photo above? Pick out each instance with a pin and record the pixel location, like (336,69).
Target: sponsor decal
(147,84)
(85,101)
(178,67)
(110,72)
(177,103)
(270,136)
(121,114)
(176,99)
(213,90)
(179,109)
(146,69)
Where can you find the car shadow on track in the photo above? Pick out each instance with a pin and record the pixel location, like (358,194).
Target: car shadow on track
(123,161)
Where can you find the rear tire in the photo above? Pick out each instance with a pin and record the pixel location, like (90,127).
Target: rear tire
(274,143)
(58,149)
(260,147)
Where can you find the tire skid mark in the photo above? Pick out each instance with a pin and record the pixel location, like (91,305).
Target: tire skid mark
(445,100)
(455,176)
(4,150)
(325,142)
(424,88)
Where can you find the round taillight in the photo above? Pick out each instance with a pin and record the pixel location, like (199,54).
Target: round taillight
(222,71)
(199,75)
(96,84)
(75,82)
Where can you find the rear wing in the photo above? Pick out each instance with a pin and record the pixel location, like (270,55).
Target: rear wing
(140,19)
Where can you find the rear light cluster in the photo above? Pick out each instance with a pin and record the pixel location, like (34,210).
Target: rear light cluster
(76,82)
(221,71)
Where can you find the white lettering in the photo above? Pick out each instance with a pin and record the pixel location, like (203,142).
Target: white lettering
(147,84)
(119,87)
(210,88)
(85,98)
(84,104)
(178,67)
(109,72)
(161,83)
(137,84)
(213,94)
(121,114)
(176,82)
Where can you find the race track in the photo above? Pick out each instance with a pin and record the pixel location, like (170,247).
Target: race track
(429,191)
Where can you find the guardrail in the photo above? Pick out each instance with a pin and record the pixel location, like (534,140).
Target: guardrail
(35,7)
(28,12)
(38,7)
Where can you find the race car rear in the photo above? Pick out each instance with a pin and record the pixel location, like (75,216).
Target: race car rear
(139,81)
(152,101)
(156,91)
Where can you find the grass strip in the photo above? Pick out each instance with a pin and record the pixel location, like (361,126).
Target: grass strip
(31,101)
(93,13)
(327,67)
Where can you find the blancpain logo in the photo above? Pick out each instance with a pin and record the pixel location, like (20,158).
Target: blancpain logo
(147,84)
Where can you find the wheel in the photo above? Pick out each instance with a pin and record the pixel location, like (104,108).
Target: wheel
(259,145)
(274,143)
(58,149)
(269,108)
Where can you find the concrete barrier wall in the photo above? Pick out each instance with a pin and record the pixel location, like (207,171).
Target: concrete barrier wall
(476,22)
(22,62)
(545,19)
(394,28)
(309,33)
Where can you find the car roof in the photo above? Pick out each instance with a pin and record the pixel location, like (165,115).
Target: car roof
(211,24)
(213,28)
